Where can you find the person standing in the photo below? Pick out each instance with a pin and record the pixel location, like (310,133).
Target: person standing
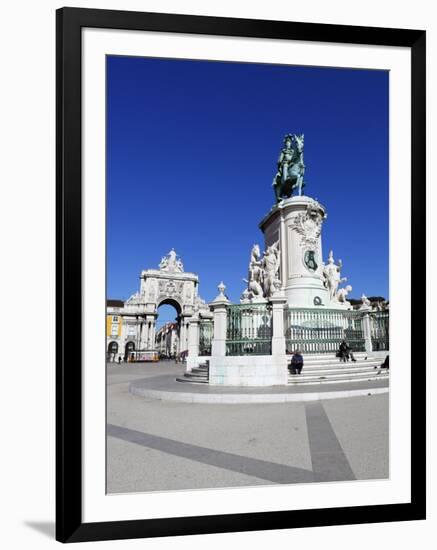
(342,351)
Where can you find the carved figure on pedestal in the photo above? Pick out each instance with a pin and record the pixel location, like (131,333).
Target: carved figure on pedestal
(263,279)
(342,293)
(256,274)
(365,302)
(291,168)
(271,264)
(331,272)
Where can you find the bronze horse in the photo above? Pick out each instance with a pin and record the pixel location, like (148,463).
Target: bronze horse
(291,168)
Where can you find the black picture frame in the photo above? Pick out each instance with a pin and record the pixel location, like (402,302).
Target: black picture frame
(69,525)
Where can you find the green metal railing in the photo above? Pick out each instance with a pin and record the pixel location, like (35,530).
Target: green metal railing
(206,330)
(321,331)
(379,330)
(249,329)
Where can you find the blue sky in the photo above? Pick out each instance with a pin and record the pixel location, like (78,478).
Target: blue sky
(191,153)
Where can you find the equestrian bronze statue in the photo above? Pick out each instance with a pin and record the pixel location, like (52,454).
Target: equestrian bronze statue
(291,168)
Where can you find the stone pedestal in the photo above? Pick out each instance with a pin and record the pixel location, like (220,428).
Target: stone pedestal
(278,337)
(297,224)
(218,345)
(248,370)
(218,306)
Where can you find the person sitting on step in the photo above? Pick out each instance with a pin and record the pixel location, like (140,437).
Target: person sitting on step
(345,352)
(384,365)
(296,364)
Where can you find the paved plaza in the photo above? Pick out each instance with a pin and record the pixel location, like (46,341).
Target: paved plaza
(156,445)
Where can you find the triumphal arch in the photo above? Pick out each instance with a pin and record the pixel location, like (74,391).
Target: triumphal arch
(169,284)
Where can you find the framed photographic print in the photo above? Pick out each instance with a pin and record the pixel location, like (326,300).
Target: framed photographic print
(240,229)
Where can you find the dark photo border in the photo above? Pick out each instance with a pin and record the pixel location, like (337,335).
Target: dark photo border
(69,525)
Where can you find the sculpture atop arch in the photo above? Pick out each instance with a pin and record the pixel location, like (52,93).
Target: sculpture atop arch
(171,262)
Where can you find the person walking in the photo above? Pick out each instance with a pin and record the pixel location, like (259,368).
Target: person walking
(296,363)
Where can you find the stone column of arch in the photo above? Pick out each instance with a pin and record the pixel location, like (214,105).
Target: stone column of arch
(153,334)
(150,328)
(182,335)
(144,334)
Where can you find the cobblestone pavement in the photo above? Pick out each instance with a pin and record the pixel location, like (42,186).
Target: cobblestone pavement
(155,445)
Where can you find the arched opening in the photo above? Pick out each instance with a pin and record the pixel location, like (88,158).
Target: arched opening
(112,351)
(129,352)
(168,329)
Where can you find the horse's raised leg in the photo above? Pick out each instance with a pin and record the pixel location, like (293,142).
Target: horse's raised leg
(277,189)
(299,183)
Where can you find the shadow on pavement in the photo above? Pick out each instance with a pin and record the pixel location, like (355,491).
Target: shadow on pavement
(270,471)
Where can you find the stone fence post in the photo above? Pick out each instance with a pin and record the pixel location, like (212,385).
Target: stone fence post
(367,329)
(278,338)
(219,306)
(193,342)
